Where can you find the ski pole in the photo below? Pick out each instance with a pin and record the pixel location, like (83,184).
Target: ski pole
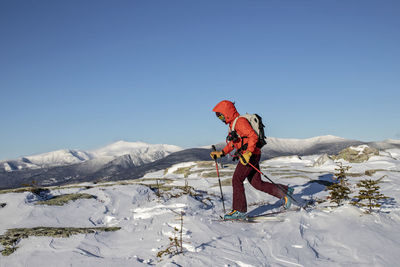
(219,180)
(277,185)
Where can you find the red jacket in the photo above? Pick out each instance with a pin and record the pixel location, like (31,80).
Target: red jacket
(242,127)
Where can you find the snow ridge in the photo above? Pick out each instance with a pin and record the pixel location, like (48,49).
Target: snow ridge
(300,145)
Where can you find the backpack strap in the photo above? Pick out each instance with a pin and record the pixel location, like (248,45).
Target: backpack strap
(234,123)
(233,127)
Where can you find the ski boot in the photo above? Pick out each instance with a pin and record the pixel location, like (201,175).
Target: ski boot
(235,215)
(287,199)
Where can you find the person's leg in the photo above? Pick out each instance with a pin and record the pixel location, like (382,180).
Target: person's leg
(239,196)
(267,187)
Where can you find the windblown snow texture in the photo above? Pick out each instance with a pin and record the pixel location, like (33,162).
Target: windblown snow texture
(322,236)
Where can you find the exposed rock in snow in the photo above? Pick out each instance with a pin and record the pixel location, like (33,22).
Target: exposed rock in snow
(357,154)
(322,160)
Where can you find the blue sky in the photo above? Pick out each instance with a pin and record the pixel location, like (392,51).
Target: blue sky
(83,74)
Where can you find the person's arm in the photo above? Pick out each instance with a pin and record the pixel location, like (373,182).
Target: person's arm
(228,148)
(244,129)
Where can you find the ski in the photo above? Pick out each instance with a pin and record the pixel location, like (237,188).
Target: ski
(246,220)
(271,216)
(272,213)
(257,219)
(254,219)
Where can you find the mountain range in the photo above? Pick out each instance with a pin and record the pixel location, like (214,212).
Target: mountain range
(140,153)
(130,160)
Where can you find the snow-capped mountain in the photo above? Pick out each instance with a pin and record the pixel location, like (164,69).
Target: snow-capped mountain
(328,144)
(385,144)
(124,160)
(321,144)
(139,152)
(299,146)
(59,157)
(46,160)
(143,153)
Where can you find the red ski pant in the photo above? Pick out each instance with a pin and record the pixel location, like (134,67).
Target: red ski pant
(246,171)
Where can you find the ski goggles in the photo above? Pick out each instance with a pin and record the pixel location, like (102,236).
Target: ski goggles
(220,116)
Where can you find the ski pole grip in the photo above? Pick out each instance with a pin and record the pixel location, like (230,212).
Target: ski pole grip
(214,149)
(244,160)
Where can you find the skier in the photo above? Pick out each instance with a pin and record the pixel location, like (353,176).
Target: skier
(244,140)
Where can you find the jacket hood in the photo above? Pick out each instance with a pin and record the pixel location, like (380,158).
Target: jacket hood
(228,109)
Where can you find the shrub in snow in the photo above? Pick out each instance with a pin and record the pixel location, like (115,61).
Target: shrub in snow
(340,191)
(11,237)
(168,192)
(64,199)
(369,195)
(175,246)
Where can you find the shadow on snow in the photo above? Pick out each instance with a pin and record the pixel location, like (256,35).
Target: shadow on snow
(303,194)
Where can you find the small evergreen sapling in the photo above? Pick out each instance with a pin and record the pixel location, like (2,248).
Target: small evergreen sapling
(175,246)
(369,195)
(340,191)
(341,174)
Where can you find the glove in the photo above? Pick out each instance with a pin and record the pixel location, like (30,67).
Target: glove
(217,154)
(245,157)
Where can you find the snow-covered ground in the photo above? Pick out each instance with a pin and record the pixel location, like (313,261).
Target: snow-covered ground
(322,236)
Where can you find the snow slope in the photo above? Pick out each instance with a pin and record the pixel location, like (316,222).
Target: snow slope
(323,236)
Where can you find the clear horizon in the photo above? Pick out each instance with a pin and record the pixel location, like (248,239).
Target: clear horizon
(84,74)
